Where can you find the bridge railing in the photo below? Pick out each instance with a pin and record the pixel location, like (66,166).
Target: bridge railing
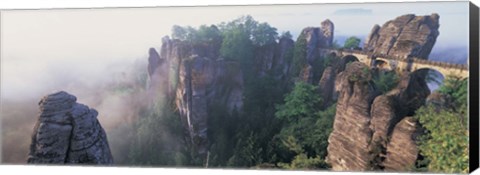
(441,64)
(414,59)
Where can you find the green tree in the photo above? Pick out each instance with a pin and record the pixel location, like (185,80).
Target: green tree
(385,81)
(179,32)
(352,43)
(306,128)
(303,101)
(301,160)
(445,143)
(299,56)
(286,34)
(264,34)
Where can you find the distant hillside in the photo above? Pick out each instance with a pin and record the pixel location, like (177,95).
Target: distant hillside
(452,54)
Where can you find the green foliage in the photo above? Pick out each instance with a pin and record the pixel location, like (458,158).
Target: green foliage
(237,45)
(306,128)
(271,129)
(264,34)
(258,124)
(445,142)
(385,81)
(303,101)
(352,43)
(286,35)
(301,160)
(158,134)
(204,34)
(457,88)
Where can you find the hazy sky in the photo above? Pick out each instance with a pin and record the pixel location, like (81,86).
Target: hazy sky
(44,50)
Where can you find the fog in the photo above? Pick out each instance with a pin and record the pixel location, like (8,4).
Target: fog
(86,52)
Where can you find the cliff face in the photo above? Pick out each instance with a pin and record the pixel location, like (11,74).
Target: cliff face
(274,59)
(405,36)
(282,59)
(373,131)
(202,83)
(196,79)
(350,138)
(316,38)
(364,122)
(68,133)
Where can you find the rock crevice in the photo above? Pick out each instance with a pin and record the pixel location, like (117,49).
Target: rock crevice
(68,133)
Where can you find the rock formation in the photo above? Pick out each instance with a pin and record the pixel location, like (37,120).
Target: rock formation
(316,37)
(327,85)
(350,138)
(375,132)
(364,122)
(158,76)
(204,82)
(283,55)
(403,150)
(405,36)
(274,59)
(68,133)
(196,78)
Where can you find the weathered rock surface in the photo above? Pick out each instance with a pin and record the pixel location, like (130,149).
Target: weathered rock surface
(316,38)
(196,78)
(68,133)
(365,142)
(405,36)
(282,58)
(328,92)
(439,100)
(327,85)
(348,147)
(158,76)
(204,82)
(402,150)
(372,132)
(264,59)
(274,59)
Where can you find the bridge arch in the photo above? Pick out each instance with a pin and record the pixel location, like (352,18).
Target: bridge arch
(382,65)
(433,77)
(350,58)
(332,55)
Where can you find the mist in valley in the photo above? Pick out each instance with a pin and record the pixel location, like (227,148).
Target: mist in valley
(105,66)
(116,91)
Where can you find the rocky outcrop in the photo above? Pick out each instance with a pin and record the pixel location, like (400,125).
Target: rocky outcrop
(274,59)
(264,59)
(364,123)
(348,147)
(328,92)
(196,79)
(282,58)
(204,82)
(327,85)
(374,133)
(68,133)
(402,150)
(327,31)
(316,38)
(158,76)
(405,36)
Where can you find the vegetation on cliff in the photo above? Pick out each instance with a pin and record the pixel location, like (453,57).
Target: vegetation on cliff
(444,145)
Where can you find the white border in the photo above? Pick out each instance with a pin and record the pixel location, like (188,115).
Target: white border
(46,4)
(73,170)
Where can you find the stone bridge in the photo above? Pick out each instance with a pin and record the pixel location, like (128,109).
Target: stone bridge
(410,64)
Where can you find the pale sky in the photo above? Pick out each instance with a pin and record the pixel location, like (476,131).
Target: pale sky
(44,50)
